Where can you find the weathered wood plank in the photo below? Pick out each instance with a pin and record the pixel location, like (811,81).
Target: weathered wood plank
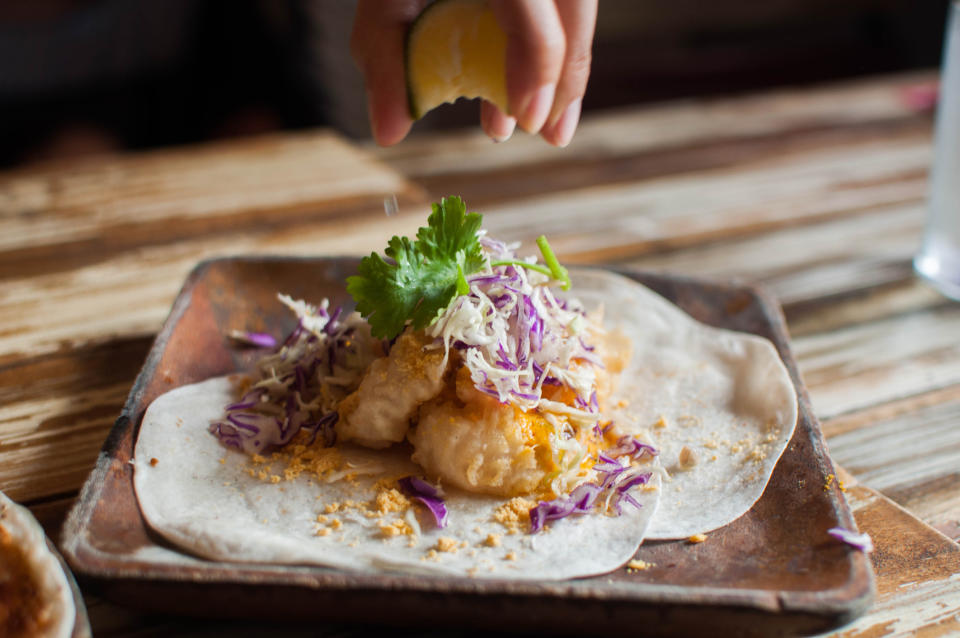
(918,584)
(58,217)
(43,314)
(55,413)
(859,366)
(811,262)
(910,451)
(624,221)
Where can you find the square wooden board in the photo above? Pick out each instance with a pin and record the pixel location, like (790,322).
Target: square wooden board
(775,570)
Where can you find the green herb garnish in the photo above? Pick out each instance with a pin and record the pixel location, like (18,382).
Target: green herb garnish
(425,274)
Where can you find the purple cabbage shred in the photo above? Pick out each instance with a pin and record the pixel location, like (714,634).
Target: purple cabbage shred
(429,495)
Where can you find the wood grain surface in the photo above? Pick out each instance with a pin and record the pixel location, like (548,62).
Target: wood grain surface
(816,194)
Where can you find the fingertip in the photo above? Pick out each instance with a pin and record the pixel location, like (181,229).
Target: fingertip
(534,112)
(495,124)
(389,120)
(560,133)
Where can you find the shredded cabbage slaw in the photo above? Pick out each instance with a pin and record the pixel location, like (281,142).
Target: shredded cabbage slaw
(300,384)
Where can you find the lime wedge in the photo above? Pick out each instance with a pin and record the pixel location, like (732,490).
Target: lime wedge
(454,49)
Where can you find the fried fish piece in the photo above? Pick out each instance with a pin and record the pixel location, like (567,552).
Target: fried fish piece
(377,414)
(472,441)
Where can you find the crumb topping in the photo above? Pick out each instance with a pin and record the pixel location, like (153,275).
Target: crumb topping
(687,459)
(514,515)
(447,545)
(296,459)
(390,500)
(637,565)
(397,527)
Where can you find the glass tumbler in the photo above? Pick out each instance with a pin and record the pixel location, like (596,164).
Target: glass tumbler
(939,258)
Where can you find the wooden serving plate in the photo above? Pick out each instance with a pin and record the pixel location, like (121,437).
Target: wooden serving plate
(775,570)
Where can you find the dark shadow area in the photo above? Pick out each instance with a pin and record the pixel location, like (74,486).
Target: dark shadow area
(88,76)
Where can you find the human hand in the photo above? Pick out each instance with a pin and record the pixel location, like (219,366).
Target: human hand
(548,63)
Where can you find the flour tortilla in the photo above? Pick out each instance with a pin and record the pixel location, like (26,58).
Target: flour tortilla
(719,393)
(724,395)
(55,609)
(217,510)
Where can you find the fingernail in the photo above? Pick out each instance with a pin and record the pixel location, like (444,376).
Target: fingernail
(534,113)
(503,134)
(567,124)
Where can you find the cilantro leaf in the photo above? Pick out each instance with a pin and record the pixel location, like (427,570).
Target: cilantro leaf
(424,276)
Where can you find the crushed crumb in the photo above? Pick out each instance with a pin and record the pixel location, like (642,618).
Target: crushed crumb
(829,482)
(447,545)
(390,499)
(332,508)
(660,423)
(697,538)
(153,462)
(398,527)
(637,565)
(514,515)
(323,531)
(297,458)
(336,523)
(492,540)
(510,556)
(223,461)
(687,458)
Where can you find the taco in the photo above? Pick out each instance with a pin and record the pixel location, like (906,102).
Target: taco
(472,417)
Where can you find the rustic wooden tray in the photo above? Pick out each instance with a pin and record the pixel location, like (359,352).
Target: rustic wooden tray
(775,570)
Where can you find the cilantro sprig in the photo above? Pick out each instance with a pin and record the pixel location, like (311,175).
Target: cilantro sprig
(424,274)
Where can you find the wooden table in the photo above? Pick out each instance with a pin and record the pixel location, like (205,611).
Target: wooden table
(817,194)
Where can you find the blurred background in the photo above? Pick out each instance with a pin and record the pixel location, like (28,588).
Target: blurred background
(93,76)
